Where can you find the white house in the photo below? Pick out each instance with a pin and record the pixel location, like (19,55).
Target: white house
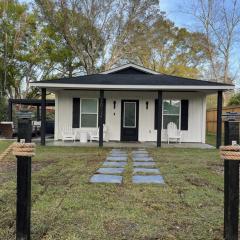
(130,96)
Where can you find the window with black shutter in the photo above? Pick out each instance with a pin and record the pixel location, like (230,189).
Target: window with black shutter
(171,113)
(76,113)
(184,114)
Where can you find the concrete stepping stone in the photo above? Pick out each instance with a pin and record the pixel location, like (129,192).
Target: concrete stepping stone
(146,170)
(117,159)
(139,152)
(140,155)
(114,164)
(144,164)
(120,152)
(117,151)
(143,159)
(102,178)
(156,179)
(110,170)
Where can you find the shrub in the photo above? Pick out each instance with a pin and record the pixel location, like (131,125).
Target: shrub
(234,100)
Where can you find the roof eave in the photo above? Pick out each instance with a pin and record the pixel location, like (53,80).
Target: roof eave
(130,87)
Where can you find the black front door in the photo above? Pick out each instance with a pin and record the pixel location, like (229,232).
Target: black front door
(129,120)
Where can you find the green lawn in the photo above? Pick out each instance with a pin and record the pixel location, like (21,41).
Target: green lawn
(66,206)
(4,144)
(211,139)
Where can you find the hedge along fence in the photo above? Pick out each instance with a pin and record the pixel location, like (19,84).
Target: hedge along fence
(212,117)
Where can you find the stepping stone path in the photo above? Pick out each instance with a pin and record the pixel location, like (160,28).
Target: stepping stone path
(141,171)
(144,170)
(112,168)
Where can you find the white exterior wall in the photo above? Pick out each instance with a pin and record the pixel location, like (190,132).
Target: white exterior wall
(196,115)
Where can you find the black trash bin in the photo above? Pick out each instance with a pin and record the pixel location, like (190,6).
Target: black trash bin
(50,127)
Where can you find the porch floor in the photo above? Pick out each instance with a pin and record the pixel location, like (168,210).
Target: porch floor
(129,144)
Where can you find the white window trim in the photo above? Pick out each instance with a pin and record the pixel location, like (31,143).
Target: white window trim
(88,112)
(172,114)
(135,122)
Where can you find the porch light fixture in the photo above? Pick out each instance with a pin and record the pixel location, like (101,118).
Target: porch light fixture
(114,104)
(146,104)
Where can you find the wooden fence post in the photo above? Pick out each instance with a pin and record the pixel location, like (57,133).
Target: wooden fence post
(231,199)
(231,156)
(23,213)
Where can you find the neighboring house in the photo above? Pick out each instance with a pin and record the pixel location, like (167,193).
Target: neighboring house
(131,95)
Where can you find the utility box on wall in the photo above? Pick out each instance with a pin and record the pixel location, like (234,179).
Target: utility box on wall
(231,128)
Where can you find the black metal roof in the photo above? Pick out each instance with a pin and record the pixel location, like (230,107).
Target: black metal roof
(32,102)
(133,79)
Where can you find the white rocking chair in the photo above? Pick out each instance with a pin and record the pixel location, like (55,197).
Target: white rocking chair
(94,136)
(173,133)
(68,134)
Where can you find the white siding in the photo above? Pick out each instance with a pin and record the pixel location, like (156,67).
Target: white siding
(197,113)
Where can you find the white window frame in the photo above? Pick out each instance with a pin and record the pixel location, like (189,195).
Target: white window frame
(87,112)
(135,121)
(172,114)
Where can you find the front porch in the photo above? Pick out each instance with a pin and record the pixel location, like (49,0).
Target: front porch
(148,119)
(128,144)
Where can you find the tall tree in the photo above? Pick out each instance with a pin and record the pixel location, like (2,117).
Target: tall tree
(76,29)
(166,48)
(17,58)
(219,20)
(97,30)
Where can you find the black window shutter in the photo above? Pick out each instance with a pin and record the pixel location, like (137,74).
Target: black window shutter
(76,113)
(184,114)
(155,115)
(104,110)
